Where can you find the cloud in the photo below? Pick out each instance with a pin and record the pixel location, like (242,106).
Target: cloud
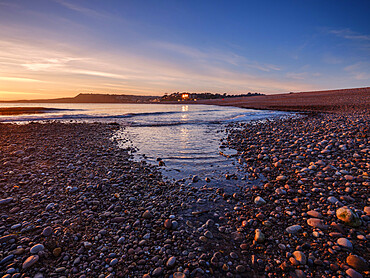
(350,35)
(19,79)
(359,71)
(80,9)
(63,68)
(214,56)
(302,75)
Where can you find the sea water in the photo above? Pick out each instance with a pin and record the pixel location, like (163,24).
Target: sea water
(187,138)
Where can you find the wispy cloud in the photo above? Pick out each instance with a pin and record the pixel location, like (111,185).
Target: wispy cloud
(350,35)
(214,56)
(302,75)
(19,79)
(80,9)
(359,71)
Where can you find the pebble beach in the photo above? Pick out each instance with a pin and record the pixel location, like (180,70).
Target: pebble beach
(74,204)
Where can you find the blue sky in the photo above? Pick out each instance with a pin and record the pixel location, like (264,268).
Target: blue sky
(58,48)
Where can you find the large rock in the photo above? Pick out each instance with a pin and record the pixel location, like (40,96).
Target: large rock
(348,216)
(357,262)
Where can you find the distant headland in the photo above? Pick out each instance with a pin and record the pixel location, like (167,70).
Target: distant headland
(317,101)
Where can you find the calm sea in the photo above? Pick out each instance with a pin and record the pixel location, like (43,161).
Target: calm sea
(186,137)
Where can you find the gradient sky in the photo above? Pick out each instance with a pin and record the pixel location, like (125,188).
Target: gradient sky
(59,48)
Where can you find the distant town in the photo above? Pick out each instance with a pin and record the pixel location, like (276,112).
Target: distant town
(113,98)
(185,96)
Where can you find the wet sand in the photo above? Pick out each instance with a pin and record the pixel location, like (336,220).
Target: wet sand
(13,111)
(74,205)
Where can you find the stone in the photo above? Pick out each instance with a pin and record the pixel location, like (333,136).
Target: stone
(171,262)
(300,273)
(357,263)
(7,238)
(57,251)
(37,248)
(314,213)
(348,216)
(259,236)
(168,224)
(345,243)
(118,220)
(147,214)
(50,206)
(259,201)
(367,210)
(179,275)
(208,234)
(317,223)
(332,200)
(30,261)
(353,273)
(281,178)
(6,201)
(157,272)
(240,268)
(300,257)
(293,229)
(47,231)
(113,262)
(7,259)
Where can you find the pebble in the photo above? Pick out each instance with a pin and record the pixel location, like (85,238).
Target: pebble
(293,229)
(357,262)
(317,223)
(47,231)
(300,257)
(259,201)
(171,262)
(6,201)
(147,214)
(30,261)
(348,216)
(157,272)
(353,273)
(343,242)
(37,248)
(259,236)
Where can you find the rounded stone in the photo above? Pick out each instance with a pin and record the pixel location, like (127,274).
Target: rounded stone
(348,216)
(47,231)
(345,243)
(259,201)
(147,214)
(171,262)
(357,262)
(293,229)
(300,257)
(353,273)
(30,261)
(37,248)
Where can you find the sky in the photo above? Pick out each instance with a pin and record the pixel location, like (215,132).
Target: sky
(60,48)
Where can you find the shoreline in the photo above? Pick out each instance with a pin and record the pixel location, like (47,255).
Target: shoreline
(69,188)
